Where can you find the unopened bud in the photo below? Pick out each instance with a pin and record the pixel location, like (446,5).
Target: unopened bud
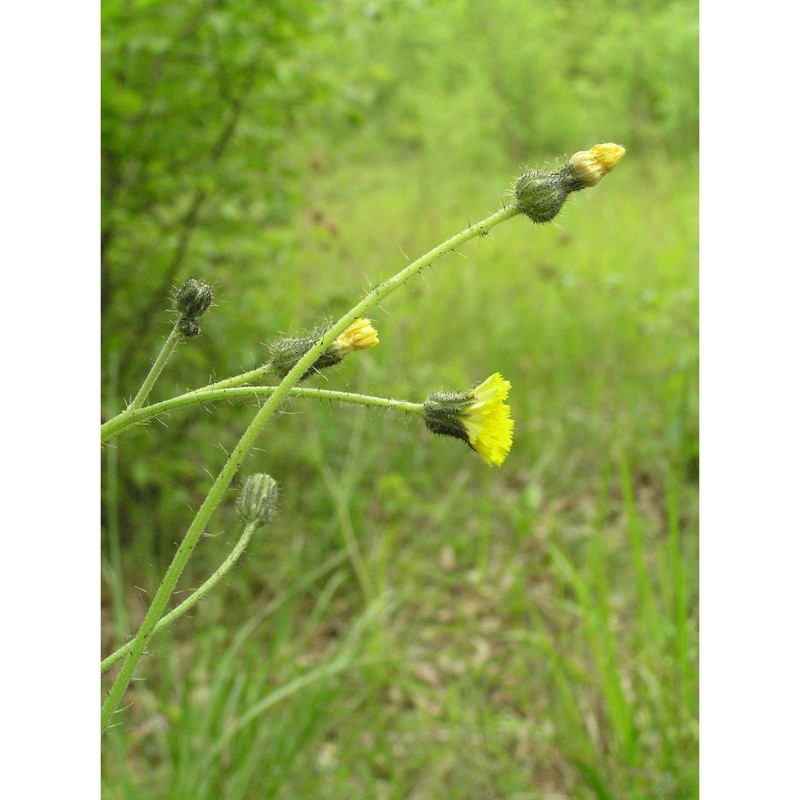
(188,327)
(541,194)
(194,298)
(285,353)
(359,335)
(257,500)
(591,165)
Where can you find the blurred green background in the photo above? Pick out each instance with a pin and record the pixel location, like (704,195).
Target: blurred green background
(413,624)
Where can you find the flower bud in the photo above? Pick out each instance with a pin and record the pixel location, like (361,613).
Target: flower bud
(591,165)
(257,500)
(193,299)
(541,194)
(285,353)
(359,335)
(188,327)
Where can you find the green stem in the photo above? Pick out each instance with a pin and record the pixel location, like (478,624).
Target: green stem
(239,380)
(121,422)
(236,458)
(197,595)
(155,370)
(128,416)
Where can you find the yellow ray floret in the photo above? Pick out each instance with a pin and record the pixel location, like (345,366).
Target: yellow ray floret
(487,420)
(360,335)
(593,164)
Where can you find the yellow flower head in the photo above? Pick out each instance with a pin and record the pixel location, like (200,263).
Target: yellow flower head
(360,335)
(591,165)
(481,418)
(488,420)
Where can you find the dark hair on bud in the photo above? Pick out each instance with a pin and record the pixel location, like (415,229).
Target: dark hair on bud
(194,298)
(188,328)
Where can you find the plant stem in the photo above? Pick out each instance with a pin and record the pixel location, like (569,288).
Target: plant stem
(128,416)
(240,380)
(122,422)
(236,458)
(155,370)
(193,598)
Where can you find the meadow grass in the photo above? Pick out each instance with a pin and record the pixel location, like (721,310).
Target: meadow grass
(415,624)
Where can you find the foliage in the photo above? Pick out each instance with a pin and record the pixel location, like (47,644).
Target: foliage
(221,118)
(525,82)
(541,621)
(521,633)
(199,99)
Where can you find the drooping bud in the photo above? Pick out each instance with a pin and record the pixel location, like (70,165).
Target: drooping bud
(257,500)
(285,353)
(193,299)
(540,194)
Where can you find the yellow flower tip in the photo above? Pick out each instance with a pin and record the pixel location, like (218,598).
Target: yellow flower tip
(360,335)
(488,420)
(593,164)
(494,388)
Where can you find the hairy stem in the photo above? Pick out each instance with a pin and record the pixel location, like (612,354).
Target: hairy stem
(155,370)
(197,595)
(236,458)
(240,380)
(122,422)
(131,414)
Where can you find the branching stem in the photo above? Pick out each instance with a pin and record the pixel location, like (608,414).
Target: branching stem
(197,595)
(236,458)
(155,370)
(122,422)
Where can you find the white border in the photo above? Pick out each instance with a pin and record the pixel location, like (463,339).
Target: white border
(49,62)
(750,402)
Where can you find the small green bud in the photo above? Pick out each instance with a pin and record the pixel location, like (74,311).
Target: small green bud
(257,500)
(188,327)
(194,298)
